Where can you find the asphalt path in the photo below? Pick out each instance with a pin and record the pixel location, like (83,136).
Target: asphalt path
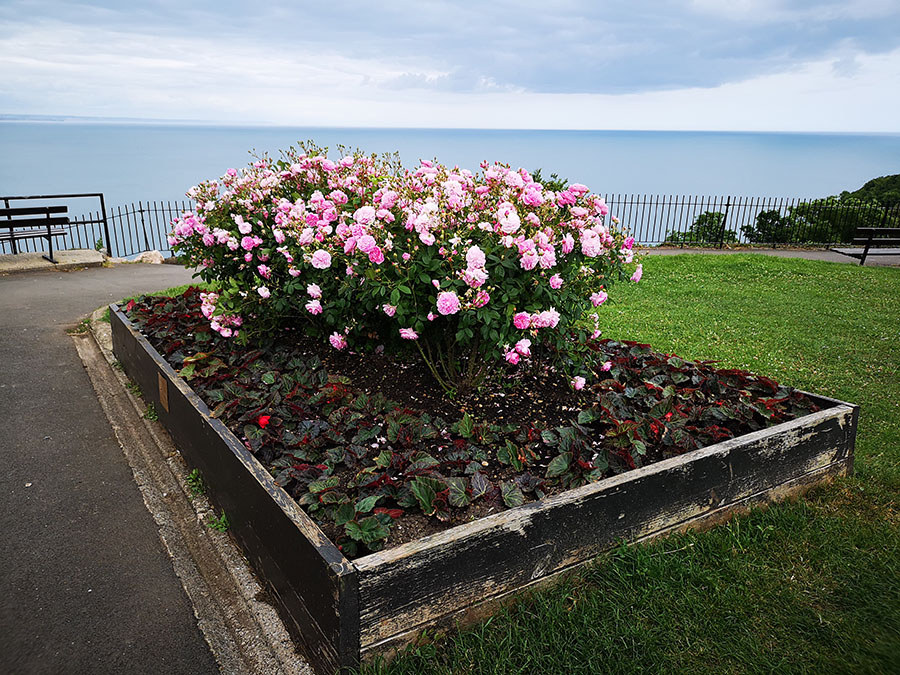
(85,584)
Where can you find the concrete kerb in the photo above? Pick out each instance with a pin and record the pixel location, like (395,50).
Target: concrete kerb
(245,634)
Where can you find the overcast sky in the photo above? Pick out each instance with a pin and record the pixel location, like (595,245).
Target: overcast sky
(616,64)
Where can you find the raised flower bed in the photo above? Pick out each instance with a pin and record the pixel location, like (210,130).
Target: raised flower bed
(341,610)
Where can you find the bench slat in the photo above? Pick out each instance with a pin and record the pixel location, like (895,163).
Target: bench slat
(34,222)
(878,242)
(32,210)
(32,234)
(878,231)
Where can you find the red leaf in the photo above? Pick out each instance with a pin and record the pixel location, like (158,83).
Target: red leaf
(393,513)
(130,305)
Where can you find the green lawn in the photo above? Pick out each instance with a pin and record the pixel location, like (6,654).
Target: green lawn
(809,586)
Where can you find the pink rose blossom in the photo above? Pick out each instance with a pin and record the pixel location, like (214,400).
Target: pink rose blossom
(628,243)
(522,320)
(248,257)
(513,357)
(638,273)
(364,215)
(556,282)
(523,346)
(447,303)
(406,257)
(475,257)
(431,316)
(314,307)
(321,259)
(529,260)
(264,271)
(337,340)
(263,292)
(365,243)
(481,299)
(409,334)
(376,255)
(598,298)
(578,383)
(390,310)
(606,366)
(313,291)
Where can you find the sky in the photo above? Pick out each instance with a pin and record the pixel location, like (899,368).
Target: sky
(744,65)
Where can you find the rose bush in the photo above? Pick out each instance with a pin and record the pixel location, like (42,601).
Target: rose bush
(475,270)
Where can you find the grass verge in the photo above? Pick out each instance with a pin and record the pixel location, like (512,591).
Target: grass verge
(809,586)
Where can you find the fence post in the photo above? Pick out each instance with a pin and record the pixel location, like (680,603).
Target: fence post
(724,224)
(144,226)
(105,226)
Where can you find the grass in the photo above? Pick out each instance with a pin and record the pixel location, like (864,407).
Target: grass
(808,586)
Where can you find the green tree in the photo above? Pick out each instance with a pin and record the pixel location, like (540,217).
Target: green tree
(770,228)
(884,191)
(835,219)
(707,228)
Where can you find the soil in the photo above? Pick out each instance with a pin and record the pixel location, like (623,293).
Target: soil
(653,400)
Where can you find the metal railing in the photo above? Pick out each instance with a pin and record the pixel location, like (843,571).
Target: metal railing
(685,220)
(143,227)
(689,220)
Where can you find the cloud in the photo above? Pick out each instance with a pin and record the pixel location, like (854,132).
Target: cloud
(567,64)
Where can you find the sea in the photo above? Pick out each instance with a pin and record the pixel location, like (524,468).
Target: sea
(131,162)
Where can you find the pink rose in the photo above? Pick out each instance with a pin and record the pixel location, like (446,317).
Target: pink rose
(475,257)
(598,298)
(409,334)
(556,282)
(522,320)
(264,271)
(314,307)
(447,303)
(578,383)
(523,346)
(365,243)
(337,340)
(513,357)
(364,215)
(376,256)
(321,259)
(390,310)
(481,299)
(314,291)
(638,273)
(606,366)
(263,292)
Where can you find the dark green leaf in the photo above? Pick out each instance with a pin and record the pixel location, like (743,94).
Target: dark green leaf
(512,495)
(559,465)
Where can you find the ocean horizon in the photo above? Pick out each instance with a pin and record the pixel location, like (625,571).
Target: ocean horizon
(138,161)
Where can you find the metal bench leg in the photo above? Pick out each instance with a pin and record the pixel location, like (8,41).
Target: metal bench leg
(50,244)
(862,261)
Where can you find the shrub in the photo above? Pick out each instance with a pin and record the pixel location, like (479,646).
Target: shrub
(472,270)
(770,228)
(707,228)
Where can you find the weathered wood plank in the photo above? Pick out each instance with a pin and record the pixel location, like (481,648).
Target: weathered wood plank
(310,580)
(418,583)
(480,611)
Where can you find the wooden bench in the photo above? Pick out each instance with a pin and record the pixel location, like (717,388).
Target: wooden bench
(867,237)
(33,222)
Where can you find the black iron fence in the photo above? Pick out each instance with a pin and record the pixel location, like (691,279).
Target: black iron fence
(143,227)
(653,220)
(89,230)
(766,221)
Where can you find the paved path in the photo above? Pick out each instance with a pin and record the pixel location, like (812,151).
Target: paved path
(85,584)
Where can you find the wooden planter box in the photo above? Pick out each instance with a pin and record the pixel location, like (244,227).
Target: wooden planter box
(341,611)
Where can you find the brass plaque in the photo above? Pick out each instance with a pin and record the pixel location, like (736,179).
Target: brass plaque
(163,391)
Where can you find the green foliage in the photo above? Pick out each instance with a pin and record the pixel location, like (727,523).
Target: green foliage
(708,227)
(554,183)
(835,219)
(219,523)
(150,413)
(195,483)
(770,228)
(884,191)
